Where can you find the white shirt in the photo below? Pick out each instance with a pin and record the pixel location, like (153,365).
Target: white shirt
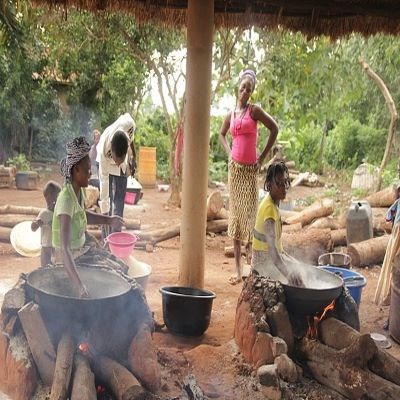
(107,166)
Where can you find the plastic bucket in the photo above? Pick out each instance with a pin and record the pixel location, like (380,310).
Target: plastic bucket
(353,280)
(147,166)
(121,243)
(130,198)
(186,311)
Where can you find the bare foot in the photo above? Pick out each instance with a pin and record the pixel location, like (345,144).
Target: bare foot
(234,280)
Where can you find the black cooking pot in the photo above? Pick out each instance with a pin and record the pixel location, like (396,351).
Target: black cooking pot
(321,288)
(53,291)
(186,311)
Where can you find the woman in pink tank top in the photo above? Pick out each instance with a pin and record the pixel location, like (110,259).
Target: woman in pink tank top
(244,164)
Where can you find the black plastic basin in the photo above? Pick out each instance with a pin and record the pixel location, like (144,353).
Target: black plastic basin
(186,311)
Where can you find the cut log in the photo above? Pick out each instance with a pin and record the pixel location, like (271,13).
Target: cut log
(339,237)
(379,222)
(345,370)
(118,379)
(339,335)
(95,232)
(10,220)
(11,209)
(316,210)
(217,226)
(39,341)
(142,359)
(228,251)
(383,198)
(292,228)
(15,298)
(325,223)
(214,205)
(368,252)
(159,235)
(83,385)
(5,234)
(132,224)
(307,245)
(63,369)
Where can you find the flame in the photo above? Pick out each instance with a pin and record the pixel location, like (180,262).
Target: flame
(100,389)
(312,330)
(84,348)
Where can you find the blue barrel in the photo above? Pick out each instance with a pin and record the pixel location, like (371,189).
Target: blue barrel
(353,280)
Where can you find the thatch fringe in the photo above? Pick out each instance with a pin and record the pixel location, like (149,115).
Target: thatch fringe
(312,18)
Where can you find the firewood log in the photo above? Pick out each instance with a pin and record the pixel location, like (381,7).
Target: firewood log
(217,226)
(10,220)
(325,222)
(345,370)
(63,369)
(368,252)
(118,379)
(132,224)
(292,228)
(11,209)
(285,214)
(5,234)
(159,235)
(307,245)
(383,198)
(83,386)
(316,210)
(228,251)
(339,237)
(339,335)
(214,205)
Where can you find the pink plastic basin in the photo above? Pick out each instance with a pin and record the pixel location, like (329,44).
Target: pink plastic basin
(121,243)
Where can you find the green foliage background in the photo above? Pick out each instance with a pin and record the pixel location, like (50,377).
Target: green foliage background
(315,89)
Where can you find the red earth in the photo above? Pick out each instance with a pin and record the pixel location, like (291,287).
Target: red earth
(212,357)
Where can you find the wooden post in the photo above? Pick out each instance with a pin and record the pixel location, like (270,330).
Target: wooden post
(39,341)
(200,27)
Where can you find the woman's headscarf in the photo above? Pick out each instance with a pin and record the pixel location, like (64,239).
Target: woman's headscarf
(77,149)
(249,73)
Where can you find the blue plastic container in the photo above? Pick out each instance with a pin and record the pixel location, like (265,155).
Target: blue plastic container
(353,280)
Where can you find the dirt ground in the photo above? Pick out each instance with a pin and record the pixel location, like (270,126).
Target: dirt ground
(212,357)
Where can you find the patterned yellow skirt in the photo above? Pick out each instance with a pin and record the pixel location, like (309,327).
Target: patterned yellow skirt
(243,200)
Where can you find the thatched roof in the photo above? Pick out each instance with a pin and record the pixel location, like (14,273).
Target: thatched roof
(312,17)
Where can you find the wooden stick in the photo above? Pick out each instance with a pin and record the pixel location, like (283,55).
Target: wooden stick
(83,385)
(118,379)
(63,370)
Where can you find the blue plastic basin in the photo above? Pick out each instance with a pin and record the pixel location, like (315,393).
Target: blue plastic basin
(353,280)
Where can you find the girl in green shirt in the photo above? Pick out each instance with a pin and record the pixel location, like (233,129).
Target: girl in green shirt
(70,217)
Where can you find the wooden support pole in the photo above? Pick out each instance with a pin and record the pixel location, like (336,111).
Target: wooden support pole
(200,29)
(63,369)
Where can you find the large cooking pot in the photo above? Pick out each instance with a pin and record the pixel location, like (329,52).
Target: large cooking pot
(52,290)
(321,287)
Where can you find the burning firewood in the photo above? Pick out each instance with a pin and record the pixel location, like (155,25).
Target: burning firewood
(83,386)
(118,379)
(346,370)
(63,369)
(339,335)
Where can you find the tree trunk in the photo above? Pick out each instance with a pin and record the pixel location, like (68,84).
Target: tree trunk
(118,379)
(337,334)
(11,209)
(63,369)
(339,237)
(383,198)
(368,252)
(214,205)
(83,386)
(393,117)
(316,210)
(345,370)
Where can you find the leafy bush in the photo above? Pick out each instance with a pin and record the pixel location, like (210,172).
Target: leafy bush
(351,142)
(304,146)
(20,162)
